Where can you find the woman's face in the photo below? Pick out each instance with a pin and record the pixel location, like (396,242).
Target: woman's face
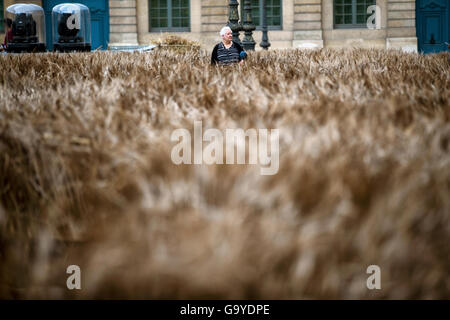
(228,36)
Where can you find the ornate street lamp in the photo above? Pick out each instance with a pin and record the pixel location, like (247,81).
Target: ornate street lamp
(265,44)
(233,20)
(248,43)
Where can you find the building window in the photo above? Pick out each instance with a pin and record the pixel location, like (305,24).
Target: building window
(2,26)
(273,13)
(169,15)
(351,13)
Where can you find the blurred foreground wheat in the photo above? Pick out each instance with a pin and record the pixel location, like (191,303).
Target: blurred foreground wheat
(86,176)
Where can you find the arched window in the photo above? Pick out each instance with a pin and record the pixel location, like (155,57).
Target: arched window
(273,13)
(169,15)
(351,13)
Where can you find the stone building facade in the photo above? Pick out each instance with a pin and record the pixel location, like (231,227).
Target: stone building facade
(295,23)
(305,23)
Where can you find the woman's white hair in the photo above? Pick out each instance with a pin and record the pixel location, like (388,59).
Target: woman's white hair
(223,30)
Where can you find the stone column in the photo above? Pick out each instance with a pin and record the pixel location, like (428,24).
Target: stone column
(142,20)
(401,24)
(196,16)
(123,22)
(308,24)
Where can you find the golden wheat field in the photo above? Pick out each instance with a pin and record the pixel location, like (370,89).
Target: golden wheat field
(86,176)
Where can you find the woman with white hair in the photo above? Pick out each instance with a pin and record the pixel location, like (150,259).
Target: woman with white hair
(227,52)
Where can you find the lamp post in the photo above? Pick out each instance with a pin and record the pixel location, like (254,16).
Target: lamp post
(233,20)
(265,44)
(248,43)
